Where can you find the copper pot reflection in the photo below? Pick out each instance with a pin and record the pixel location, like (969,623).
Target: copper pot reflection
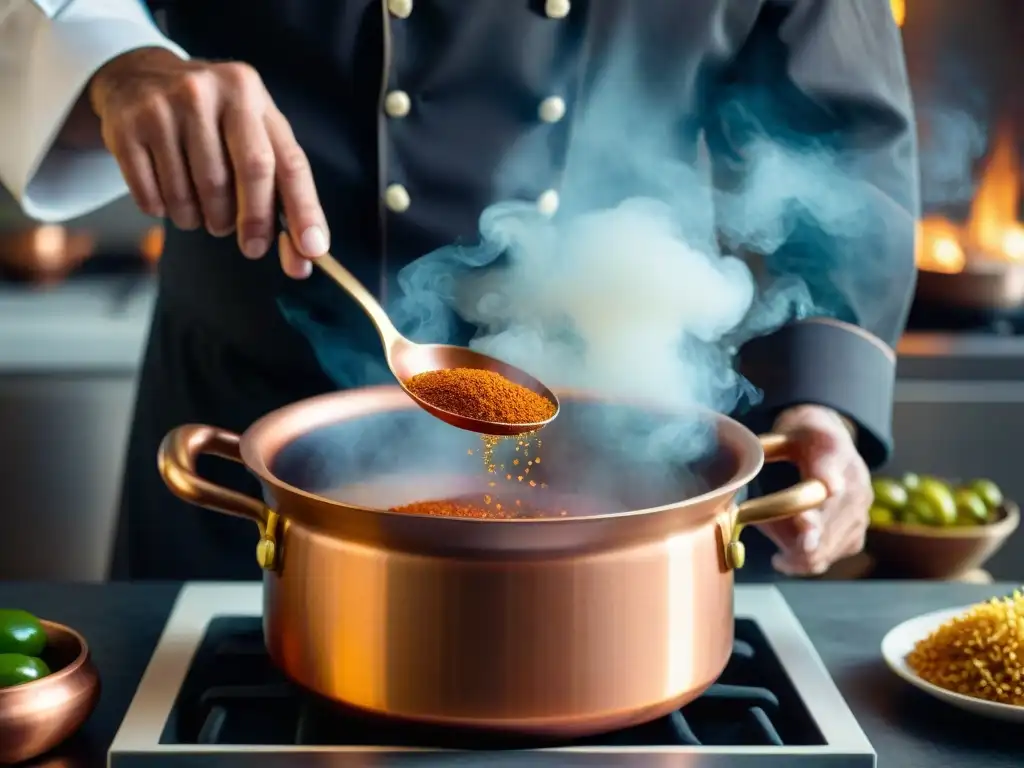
(43,254)
(558,626)
(35,717)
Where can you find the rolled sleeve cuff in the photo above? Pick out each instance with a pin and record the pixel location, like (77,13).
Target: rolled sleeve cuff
(52,183)
(829,363)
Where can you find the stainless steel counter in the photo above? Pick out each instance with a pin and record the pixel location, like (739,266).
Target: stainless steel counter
(961,357)
(68,362)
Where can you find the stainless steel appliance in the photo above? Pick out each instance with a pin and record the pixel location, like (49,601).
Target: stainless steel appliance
(212,696)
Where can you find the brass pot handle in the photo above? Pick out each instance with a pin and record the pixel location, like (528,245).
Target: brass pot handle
(805,495)
(176,461)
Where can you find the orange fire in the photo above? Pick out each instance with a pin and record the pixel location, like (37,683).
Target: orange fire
(899,11)
(992,231)
(152,245)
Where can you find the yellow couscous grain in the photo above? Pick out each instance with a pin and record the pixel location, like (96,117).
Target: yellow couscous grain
(979,653)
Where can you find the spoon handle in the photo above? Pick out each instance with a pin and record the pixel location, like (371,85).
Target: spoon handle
(351,285)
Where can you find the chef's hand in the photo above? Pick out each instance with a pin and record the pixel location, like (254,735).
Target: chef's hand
(813,541)
(203,143)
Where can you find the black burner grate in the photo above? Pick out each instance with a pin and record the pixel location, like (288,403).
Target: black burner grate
(233,695)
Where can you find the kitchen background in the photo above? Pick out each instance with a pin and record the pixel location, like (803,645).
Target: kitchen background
(75,303)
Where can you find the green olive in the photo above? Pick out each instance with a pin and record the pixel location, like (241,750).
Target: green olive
(932,508)
(17,668)
(917,512)
(881,515)
(940,498)
(970,509)
(911,481)
(988,492)
(889,493)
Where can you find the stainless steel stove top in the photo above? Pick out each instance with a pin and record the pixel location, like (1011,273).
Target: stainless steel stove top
(211,697)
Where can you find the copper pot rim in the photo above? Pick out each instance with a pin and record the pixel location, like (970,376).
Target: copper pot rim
(264,438)
(57,676)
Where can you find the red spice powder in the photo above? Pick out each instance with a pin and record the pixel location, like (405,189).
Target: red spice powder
(452,509)
(482,395)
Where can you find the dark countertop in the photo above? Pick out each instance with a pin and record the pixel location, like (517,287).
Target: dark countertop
(846,622)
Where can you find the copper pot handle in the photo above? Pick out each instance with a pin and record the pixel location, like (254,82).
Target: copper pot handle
(176,461)
(805,495)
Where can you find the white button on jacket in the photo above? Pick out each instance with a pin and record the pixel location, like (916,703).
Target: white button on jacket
(552,109)
(557,9)
(401,9)
(548,203)
(48,52)
(396,198)
(397,104)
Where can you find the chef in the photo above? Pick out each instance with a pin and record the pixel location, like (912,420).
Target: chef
(378,125)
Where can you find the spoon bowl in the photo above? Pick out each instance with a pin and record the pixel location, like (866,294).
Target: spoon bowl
(406,359)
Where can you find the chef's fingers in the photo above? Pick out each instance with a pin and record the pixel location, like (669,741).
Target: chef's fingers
(136,166)
(845,531)
(252,164)
(844,523)
(297,190)
(292,263)
(207,161)
(797,532)
(158,129)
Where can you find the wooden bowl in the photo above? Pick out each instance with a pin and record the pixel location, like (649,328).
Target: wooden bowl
(35,717)
(926,552)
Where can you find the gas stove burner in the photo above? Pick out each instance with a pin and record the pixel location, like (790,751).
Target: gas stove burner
(211,690)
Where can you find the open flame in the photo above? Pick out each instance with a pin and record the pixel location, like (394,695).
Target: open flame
(899,11)
(992,231)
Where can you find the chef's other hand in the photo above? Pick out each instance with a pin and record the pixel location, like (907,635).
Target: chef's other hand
(811,542)
(203,143)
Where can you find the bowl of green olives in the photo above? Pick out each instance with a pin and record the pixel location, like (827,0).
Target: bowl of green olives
(934,528)
(48,685)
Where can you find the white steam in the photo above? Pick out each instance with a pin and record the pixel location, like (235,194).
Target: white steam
(608,301)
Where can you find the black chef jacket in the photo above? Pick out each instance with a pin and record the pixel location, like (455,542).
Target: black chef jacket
(473,74)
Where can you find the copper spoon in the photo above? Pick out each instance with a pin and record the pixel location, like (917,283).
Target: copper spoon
(407,358)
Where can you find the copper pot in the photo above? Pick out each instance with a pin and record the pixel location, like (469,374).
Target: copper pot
(559,626)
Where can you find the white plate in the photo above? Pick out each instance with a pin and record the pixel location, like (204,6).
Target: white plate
(901,640)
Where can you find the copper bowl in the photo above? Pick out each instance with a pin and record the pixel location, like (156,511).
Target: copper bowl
(927,552)
(35,717)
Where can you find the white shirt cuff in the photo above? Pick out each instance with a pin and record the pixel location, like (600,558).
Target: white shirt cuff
(56,184)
